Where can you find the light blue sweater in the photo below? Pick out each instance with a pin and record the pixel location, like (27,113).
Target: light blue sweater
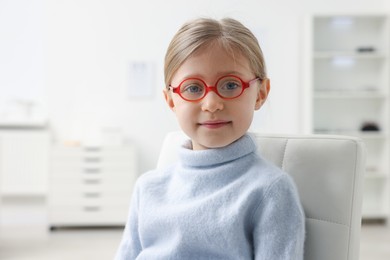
(225,203)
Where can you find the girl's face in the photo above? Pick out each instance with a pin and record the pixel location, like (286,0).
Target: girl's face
(215,122)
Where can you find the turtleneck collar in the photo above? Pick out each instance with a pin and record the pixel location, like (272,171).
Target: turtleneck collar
(215,156)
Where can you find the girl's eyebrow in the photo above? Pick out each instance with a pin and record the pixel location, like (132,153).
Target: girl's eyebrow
(232,72)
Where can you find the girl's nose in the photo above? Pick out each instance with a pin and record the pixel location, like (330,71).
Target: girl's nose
(212,102)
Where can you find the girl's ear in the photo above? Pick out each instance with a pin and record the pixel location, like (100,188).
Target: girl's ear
(168,99)
(262,94)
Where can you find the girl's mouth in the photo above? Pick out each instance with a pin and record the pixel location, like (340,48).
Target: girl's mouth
(215,124)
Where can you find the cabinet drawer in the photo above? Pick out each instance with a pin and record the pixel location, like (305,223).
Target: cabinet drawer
(62,167)
(87,215)
(91,198)
(87,185)
(106,153)
(93,179)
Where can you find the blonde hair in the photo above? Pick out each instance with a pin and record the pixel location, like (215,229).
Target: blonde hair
(230,33)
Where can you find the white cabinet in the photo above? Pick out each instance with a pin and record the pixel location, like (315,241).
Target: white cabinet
(24,159)
(346,74)
(91,186)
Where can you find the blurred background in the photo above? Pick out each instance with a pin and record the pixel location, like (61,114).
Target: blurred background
(82,113)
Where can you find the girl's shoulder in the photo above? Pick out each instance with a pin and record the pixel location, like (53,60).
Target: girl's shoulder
(265,171)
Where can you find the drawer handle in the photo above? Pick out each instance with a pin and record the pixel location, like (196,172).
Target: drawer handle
(92,149)
(91,170)
(91,194)
(91,208)
(92,160)
(93,181)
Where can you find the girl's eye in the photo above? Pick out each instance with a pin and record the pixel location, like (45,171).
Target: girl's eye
(231,85)
(192,89)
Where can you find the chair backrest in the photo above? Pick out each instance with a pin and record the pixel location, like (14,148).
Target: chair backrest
(328,172)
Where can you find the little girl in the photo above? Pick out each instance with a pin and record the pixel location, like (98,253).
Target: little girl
(221,200)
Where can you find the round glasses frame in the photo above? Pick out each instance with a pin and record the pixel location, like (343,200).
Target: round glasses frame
(245,85)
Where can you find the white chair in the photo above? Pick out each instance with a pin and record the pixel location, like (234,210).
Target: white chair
(328,171)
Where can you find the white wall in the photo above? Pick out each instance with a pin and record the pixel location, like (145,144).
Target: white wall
(22,72)
(90,43)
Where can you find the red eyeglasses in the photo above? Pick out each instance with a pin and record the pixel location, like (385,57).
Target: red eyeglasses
(227,87)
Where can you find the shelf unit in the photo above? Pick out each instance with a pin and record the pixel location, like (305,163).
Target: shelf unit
(24,159)
(346,74)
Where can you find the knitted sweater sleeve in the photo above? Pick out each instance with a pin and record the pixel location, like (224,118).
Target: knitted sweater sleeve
(130,245)
(279,223)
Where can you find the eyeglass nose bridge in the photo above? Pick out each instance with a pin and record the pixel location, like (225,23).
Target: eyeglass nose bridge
(211,88)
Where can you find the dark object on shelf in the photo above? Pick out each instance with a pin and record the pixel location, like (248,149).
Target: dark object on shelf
(365,49)
(370,126)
